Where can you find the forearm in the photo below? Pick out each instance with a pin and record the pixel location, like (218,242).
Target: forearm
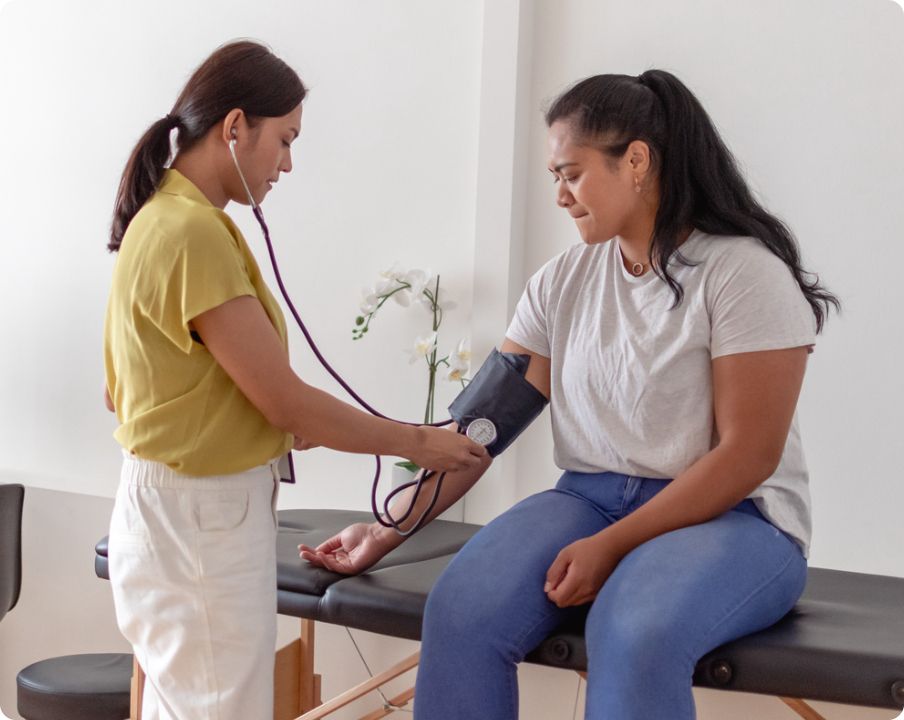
(455,485)
(710,487)
(321,419)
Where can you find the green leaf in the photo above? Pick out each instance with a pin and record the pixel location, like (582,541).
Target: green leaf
(408,465)
(359,320)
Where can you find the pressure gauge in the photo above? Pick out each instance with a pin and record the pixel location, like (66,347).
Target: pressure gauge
(482,431)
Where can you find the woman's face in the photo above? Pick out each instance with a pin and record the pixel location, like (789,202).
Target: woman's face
(267,153)
(596,190)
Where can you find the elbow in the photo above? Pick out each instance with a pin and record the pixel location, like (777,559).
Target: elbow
(280,417)
(763,464)
(757,463)
(766,467)
(284,411)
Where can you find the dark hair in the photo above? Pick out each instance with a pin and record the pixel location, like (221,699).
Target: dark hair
(699,180)
(242,74)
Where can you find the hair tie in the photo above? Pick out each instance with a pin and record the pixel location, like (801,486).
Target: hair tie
(173,121)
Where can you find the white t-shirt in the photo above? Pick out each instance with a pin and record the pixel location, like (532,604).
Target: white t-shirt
(631,380)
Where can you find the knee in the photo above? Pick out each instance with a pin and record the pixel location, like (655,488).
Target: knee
(453,608)
(636,639)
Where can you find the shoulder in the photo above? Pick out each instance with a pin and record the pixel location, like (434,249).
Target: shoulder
(170,223)
(728,258)
(576,258)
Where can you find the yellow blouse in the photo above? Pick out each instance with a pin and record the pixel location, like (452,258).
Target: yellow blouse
(180,257)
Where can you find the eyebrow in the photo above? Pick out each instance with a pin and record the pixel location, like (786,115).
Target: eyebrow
(559,168)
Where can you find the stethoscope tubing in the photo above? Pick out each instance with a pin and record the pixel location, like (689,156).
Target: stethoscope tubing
(385,519)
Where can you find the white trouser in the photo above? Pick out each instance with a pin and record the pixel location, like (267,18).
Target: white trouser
(193,569)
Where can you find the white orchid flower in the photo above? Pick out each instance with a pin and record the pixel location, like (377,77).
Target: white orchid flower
(419,281)
(456,374)
(393,272)
(423,346)
(384,285)
(443,301)
(459,362)
(369,301)
(402,297)
(461,356)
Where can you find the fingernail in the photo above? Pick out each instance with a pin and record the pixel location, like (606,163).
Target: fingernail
(546,587)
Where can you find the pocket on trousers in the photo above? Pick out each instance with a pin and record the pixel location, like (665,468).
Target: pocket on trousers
(222,510)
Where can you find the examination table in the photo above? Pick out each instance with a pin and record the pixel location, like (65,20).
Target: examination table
(843,642)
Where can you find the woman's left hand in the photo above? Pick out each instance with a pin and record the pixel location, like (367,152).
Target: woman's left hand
(580,569)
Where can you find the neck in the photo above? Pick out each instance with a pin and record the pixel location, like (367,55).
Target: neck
(635,239)
(199,166)
(635,248)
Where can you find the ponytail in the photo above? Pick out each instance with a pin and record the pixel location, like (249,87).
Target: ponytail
(141,177)
(242,74)
(699,180)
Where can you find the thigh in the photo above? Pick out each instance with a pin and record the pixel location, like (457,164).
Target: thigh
(698,587)
(194,585)
(495,582)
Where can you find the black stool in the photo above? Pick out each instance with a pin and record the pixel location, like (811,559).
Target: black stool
(76,687)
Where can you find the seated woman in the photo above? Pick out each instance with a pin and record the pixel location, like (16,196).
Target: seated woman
(672,344)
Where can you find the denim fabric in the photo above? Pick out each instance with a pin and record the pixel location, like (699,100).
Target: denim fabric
(668,602)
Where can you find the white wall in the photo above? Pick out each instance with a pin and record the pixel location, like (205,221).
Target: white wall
(423,142)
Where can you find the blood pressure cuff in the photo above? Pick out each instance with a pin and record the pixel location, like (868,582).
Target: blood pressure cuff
(500,393)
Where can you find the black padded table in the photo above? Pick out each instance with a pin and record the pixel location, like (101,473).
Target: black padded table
(843,642)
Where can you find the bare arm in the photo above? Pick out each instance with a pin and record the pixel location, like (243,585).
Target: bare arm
(360,546)
(754,397)
(244,342)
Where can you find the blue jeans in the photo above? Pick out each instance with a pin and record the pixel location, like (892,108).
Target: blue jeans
(668,602)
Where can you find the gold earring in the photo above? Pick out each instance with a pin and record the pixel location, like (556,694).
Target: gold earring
(636,184)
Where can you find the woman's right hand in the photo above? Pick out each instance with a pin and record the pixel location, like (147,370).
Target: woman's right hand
(350,552)
(444,451)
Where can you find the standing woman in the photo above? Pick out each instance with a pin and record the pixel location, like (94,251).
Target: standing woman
(672,343)
(197,371)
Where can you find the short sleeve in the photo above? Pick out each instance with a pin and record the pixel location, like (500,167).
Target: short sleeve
(203,269)
(529,326)
(756,304)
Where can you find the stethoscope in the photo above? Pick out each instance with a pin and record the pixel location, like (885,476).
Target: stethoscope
(482,431)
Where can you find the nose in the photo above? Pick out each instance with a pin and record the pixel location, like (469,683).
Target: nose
(564,198)
(286,166)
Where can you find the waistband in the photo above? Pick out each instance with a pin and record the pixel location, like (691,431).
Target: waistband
(636,490)
(140,472)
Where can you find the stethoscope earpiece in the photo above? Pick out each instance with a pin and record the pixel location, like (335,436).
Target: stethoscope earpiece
(235,160)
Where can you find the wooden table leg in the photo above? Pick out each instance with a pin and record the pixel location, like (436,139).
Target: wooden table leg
(354,693)
(802,709)
(137,691)
(296,688)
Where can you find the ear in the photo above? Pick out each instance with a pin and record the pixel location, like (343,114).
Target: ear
(233,125)
(638,154)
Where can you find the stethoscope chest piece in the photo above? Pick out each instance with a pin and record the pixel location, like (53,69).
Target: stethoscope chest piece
(482,431)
